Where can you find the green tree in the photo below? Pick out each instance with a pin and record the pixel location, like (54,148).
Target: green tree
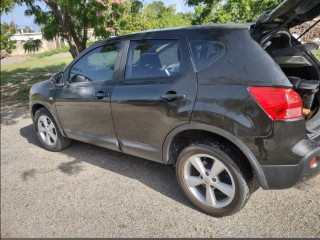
(32,45)
(151,16)
(157,9)
(165,17)
(29,30)
(7,5)
(6,32)
(132,19)
(223,11)
(71,19)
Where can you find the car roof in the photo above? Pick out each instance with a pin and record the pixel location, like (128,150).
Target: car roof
(200,27)
(230,26)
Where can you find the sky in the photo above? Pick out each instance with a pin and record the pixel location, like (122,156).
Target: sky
(22,20)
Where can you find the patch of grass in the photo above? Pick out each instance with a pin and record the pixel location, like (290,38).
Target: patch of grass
(316,54)
(52,52)
(32,68)
(17,79)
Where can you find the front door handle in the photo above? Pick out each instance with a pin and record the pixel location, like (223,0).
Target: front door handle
(173,96)
(101,94)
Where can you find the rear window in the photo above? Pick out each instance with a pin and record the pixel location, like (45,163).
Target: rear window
(206,52)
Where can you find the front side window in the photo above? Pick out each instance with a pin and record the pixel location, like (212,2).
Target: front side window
(153,58)
(206,52)
(97,65)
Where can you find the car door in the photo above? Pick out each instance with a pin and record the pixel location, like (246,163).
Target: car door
(155,94)
(83,103)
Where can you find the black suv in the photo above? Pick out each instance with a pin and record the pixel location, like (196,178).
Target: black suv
(232,107)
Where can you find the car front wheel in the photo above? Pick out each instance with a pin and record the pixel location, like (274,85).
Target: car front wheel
(214,179)
(47,131)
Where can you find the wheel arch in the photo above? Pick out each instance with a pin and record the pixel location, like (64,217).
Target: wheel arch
(168,157)
(36,105)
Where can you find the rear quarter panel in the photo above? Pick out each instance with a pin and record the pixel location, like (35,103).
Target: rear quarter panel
(224,101)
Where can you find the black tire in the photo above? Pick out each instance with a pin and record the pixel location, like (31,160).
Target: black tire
(235,173)
(56,145)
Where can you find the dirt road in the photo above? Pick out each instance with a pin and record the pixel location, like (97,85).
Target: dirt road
(88,191)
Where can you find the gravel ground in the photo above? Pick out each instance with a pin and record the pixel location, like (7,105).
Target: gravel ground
(12,60)
(88,191)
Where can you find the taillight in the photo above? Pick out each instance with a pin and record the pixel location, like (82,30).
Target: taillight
(314,163)
(278,103)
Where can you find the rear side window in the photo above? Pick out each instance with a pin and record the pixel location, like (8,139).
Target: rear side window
(153,58)
(206,52)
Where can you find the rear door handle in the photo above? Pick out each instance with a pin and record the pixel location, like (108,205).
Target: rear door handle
(101,95)
(174,96)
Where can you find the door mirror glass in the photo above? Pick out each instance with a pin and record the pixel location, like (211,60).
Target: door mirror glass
(57,78)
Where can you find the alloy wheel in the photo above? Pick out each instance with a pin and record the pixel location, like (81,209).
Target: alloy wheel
(209,180)
(47,130)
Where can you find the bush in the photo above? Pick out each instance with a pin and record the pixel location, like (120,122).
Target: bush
(32,45)
(52,52)
(317,54)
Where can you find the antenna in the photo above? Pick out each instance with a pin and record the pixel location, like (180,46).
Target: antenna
(13,20)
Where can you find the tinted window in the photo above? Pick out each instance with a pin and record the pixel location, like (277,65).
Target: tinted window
(97,65)
(206,52)
(153,58)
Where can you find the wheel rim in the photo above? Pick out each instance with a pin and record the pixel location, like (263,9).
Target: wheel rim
(47,130)
(209,181)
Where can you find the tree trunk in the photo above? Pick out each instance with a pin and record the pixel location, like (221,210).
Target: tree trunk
(76,44)
(73,50)
(76,47)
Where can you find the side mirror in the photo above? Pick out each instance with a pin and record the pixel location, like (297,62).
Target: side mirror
(79,78)
(57,78)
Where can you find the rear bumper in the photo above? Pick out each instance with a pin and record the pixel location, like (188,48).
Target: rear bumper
(287,176)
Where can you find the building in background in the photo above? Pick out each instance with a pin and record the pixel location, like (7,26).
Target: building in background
(23,35)
(26,33)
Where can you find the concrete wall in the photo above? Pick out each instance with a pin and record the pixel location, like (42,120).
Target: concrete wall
(21,38)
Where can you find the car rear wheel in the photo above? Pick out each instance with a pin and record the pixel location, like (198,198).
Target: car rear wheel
(213,180)
(47,131)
